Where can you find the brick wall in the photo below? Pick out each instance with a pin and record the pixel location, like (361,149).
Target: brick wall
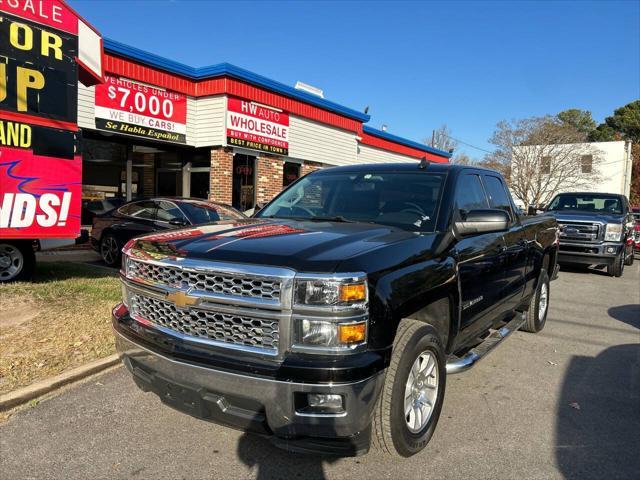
(268,177)
(221,177)
(308,167)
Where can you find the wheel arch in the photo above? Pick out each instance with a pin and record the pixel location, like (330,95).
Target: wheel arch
(439,310)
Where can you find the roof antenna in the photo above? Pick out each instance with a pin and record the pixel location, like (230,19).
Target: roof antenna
(424,163)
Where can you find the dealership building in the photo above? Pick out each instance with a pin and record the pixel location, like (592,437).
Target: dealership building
(157,127)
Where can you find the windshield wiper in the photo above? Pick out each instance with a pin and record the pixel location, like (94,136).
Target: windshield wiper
(336,218)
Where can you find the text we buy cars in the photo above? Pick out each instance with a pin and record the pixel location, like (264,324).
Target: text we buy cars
(137,109)
(40,169)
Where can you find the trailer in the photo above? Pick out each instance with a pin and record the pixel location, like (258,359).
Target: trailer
(46,48)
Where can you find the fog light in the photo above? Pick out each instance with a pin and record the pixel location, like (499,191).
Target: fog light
(324,401)
(611,249)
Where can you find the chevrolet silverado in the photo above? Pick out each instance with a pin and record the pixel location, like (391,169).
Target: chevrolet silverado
(331,320)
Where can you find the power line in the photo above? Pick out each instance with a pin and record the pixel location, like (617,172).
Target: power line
(464,143)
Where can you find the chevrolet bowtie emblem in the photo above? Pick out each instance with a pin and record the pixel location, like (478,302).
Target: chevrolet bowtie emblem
(181,299)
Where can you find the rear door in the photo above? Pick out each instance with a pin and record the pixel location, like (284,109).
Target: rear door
(514,261)
(479,261)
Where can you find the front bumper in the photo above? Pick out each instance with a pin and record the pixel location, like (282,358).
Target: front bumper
(255,403)
(589,253)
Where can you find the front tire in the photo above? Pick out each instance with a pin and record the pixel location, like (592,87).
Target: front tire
(17,261)
(617,267)
(536,316)
(110,250)
(408,408)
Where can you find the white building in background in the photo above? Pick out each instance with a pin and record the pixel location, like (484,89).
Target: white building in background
(614,168)
(609,162)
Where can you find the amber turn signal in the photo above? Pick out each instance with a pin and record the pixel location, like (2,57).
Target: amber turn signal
(354,292)
(352,333)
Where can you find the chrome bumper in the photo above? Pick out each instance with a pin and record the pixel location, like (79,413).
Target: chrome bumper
(250,403)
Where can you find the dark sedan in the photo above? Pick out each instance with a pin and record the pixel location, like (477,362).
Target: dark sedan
(113,229)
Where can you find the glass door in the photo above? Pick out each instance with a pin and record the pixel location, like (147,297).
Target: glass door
(243,194)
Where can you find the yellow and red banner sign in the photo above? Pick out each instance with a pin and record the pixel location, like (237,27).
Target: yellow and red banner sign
(40,168)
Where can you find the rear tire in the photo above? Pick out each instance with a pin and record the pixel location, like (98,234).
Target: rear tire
(617,268)
(17,261)
(110,250)
(630,257)
(536,315)
(408,408)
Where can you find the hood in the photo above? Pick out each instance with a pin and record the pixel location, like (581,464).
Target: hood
(569,216)
(302,245)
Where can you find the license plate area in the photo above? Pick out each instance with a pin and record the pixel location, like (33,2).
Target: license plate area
(180,397)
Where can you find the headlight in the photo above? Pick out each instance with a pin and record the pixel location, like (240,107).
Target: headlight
(347,290)
(330,334)
(613,232)
(125,296)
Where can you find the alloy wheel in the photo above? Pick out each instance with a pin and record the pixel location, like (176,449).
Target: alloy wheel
(543,302)
(109,250)
(421,391)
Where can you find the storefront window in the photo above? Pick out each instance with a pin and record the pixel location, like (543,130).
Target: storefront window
(290,173)
(104,166)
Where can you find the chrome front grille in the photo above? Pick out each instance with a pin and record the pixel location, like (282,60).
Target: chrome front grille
(220,283)
(227,328)
(579,231)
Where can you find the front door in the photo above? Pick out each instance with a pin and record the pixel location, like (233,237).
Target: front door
(479,259)
(515,257)
(243,193)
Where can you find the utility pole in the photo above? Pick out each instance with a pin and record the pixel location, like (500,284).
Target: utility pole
(433,138)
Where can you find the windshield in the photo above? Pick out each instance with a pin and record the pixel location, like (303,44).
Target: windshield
(586,203)
(406,200)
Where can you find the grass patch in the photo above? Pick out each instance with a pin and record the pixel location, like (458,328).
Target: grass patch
(59,321)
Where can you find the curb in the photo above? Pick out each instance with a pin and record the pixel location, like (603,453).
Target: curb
(25,394)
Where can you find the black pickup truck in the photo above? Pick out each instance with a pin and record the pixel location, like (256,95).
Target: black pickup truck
(330,321)
(595,229)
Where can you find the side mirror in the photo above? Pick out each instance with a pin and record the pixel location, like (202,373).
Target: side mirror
(256,209)
(482,221)
(177,222)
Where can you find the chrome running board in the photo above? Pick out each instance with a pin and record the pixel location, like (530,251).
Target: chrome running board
(473,356)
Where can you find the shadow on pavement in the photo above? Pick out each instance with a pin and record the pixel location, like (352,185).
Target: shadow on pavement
(598,416)
(629,314)
(577,268)
(274,463)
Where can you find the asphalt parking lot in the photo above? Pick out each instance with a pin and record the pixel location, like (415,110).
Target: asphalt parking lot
(561,404)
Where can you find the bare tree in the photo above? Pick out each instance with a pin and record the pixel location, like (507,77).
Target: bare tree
(441,139)
(463,159)
(541,157)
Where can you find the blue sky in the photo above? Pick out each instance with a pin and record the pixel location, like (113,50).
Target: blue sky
(416,64)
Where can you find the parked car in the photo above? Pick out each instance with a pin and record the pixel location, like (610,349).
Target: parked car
(338,311)
(636,228)
(595,229)
(112,230)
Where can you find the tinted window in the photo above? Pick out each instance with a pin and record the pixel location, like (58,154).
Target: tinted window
(145,210)
(498,197)
(470,194)
(168,211)
(406,200)
(202,212)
